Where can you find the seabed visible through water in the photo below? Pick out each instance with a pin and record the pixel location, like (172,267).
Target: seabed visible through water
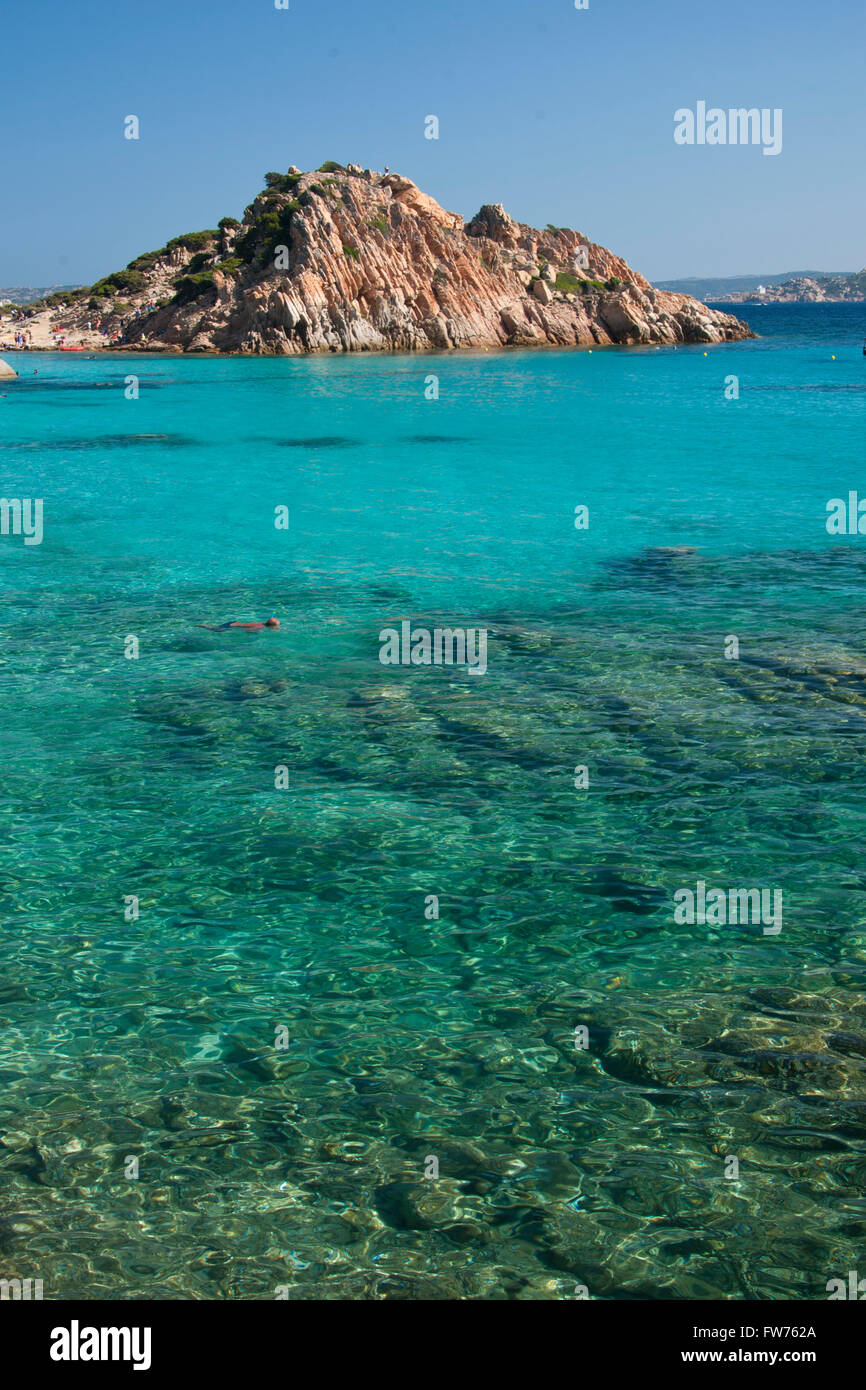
(284,1036)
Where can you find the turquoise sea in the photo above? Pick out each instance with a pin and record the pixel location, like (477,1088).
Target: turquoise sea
(282,1044)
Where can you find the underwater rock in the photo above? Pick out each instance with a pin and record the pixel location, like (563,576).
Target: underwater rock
(254,690)
(649,1056)
(737,1055)
(628,895)
(323,441)
(663,568)
(831,682)
(415,1287)
(851,1044)
(519,639)
(370,698)
(419,1206)
(438,439)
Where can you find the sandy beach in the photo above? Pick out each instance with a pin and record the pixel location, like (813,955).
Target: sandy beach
(52,329)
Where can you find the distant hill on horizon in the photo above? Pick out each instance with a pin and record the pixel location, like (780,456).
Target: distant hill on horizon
(28,294)
(712,287)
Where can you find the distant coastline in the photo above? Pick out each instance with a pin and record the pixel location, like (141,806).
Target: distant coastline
(716,288)
(801,289)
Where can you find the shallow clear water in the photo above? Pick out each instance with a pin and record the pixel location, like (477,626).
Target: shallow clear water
(410,1038)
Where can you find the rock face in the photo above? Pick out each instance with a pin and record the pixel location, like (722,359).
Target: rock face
(6,370)
(350,260)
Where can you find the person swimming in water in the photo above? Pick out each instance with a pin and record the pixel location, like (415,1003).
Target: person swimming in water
(245,627)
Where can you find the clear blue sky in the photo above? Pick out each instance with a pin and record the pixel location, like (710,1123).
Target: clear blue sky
(564,116)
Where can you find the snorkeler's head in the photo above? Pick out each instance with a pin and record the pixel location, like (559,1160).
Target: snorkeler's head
(272,622)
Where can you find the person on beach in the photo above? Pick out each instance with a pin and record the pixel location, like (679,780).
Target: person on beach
(245,627)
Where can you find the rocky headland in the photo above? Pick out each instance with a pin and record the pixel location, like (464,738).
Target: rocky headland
(347,259)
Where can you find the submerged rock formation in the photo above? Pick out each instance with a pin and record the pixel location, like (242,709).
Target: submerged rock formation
(350,260)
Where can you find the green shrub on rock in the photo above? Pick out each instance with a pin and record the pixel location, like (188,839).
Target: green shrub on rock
(568,284)
(190,287)
(146,261)
(129,280)
(192,241)
(282,183)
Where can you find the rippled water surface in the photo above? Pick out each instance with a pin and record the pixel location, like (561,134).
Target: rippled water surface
(297,916)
